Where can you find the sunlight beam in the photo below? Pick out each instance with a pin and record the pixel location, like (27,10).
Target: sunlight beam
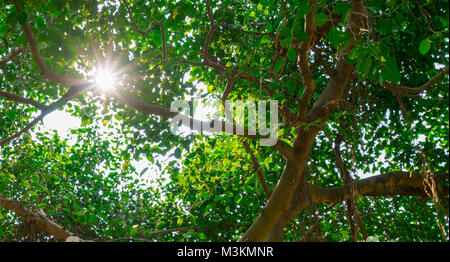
(104,80)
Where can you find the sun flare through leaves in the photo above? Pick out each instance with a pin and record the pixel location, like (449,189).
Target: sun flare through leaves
(104,79)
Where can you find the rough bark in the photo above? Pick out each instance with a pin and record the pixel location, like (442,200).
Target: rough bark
(391,184)
(41,221)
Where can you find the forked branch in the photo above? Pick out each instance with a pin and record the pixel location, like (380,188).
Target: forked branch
(149,28)
(413,92)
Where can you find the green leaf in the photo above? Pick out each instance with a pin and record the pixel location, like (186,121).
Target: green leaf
(12,19)
(365,66)
(32,193)
(286,31)
(300,35)
(384,26)
(286,43)
(125,165)
(390,71)
(333,36)
(292,55)
(22,18)
(265,39)
(40,22)
(278,65)
(59,4)
(375,68)
(143,171)
(344,43)
(177,153)
(85,121)
(3,29)
(269,27)
(292,85)
(11,114)
(134,231)
(34,178)
(41,205)
(303,10)
(50,212)
(118,117)
(75,4)
(424,46)
(320,19)
(351,57)
(341,8)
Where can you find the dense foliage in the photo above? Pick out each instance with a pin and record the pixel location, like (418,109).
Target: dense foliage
(362,88)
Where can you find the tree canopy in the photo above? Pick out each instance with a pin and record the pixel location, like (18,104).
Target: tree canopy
(362,149)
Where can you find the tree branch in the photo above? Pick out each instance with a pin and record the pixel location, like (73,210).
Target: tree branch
(228,88)
(22,100)
(76,86)
(210,33)
(390,184)
(412,92)
(23,130)
(172,230)
(234,75)
(257,168)
(292,174)
(73,92)
(150,27)
(164,112)
(45,71)
(353,214)
(13,54)
(308,80)
(341,75)
(39,218)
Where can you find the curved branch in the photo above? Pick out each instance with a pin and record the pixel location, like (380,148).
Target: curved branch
(210,33)
(308,80)
(77,86)
(390,184)
(150,27)
(38,217)
(411,92)
(45,71)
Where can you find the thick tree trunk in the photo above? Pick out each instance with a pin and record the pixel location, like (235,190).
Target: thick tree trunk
(277,204)
(300,200)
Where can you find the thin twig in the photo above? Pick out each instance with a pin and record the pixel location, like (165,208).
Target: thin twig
(13,54)
(258,170)
(149,28)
